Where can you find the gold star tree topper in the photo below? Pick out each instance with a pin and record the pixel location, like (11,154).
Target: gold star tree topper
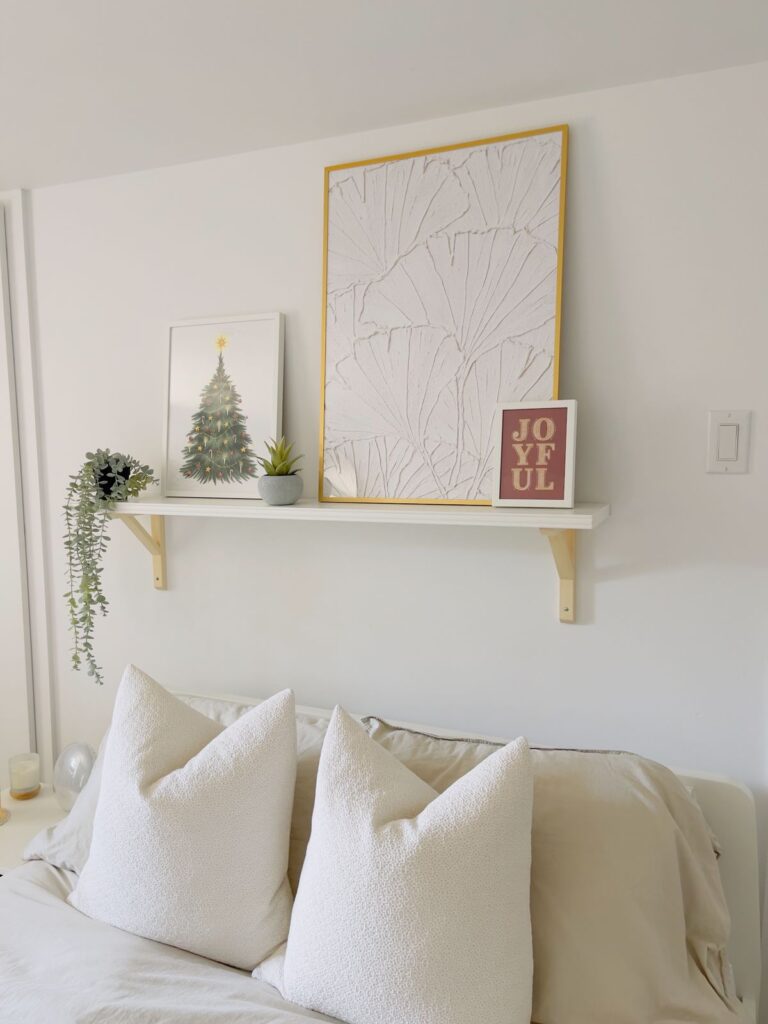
(221,342)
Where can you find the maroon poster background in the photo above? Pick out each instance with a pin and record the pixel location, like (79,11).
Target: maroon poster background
(533,453)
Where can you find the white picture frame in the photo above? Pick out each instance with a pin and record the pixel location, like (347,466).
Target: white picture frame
(251,346)
(569,462)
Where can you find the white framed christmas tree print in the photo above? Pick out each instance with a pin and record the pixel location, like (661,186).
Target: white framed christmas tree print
(224,400)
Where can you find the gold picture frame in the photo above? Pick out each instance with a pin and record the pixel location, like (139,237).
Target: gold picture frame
(554,369)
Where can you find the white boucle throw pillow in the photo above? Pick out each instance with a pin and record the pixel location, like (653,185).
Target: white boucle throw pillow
(413,907)
(190,836)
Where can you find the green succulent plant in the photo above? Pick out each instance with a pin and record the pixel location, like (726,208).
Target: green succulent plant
(279,462)
(103,479)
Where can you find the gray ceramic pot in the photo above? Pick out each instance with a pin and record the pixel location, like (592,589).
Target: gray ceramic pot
(281,490)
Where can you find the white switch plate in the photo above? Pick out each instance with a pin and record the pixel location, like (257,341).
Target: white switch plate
(728,441)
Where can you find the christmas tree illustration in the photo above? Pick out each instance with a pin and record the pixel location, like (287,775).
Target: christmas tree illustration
(219,449)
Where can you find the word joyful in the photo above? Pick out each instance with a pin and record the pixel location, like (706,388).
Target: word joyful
(533,447)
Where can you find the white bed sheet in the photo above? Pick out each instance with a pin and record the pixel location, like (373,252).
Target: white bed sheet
(59,967)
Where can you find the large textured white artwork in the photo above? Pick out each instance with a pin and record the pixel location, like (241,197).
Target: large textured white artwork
(443,275)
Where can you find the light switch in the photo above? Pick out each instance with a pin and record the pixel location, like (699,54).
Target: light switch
(728,441)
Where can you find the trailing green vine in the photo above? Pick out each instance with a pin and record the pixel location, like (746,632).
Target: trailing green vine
(104,479)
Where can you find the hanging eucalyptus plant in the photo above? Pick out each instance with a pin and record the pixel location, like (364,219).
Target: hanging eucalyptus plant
(104,479)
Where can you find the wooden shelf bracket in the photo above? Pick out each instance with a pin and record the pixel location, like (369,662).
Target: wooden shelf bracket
(563,545)
(153,541)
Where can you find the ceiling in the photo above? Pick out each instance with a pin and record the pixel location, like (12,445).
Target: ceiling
(96,87)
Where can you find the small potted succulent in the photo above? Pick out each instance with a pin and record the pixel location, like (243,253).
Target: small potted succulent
(281,483)
(103,479)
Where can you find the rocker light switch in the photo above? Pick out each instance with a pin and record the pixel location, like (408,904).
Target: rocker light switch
(728,441)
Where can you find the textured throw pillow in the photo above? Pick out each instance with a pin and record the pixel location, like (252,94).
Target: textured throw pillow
(629,919)
(190,836)
(67,843)
(413,907)
(311,724)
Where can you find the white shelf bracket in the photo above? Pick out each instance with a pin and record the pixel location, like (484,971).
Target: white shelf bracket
(154,542)
(563,545)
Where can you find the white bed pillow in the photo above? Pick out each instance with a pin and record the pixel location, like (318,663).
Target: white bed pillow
(413,907)
(67,843)
(190,836)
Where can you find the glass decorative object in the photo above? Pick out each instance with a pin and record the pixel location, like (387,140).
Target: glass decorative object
(4,815)
(70,773)
(24,770)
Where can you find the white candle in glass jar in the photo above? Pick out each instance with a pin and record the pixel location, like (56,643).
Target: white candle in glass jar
(25,773)
(25,776)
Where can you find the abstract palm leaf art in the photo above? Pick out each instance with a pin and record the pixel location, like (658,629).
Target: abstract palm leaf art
(442,299)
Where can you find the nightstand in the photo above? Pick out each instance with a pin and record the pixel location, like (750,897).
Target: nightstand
(28,817)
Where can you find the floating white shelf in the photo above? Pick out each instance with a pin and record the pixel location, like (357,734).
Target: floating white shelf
(559,525)
(582,517)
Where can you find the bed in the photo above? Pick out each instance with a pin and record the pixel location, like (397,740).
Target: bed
(56,965)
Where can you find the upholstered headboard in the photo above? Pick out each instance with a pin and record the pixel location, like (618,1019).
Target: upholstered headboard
(729,808)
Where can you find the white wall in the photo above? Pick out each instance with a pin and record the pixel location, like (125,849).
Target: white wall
(665,316)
